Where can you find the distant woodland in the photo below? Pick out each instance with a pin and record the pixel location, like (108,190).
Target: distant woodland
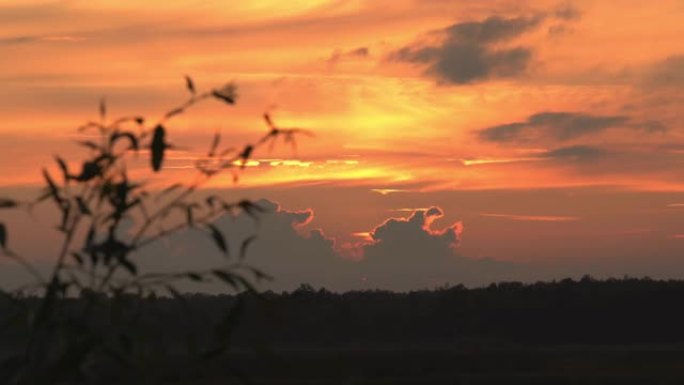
(616,311)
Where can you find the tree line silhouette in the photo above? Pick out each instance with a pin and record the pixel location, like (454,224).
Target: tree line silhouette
(495,329)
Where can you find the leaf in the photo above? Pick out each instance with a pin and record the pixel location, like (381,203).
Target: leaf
(167,190)
(211,200)
(251,209)
(63,166)
(175,111)
(194,277)
(214,144)
(128,135)
(52,187)
(77,257)
(227,278)
(6,203)
(88,143)
(89,171)
(225,98)
(190,220)
(103,109)
(83,206)
(89,125)
(128,265)
(190,84)
(268,120)
(174,293)
(260,275)
(218,237)
(3,236)
(245,244)
(246,153)
(158,146)
(226,93)
(90,237)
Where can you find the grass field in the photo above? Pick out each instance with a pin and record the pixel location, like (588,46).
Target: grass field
(473,366)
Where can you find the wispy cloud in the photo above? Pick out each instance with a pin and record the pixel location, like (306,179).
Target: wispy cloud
(387,191)
(532,218)
(556,126)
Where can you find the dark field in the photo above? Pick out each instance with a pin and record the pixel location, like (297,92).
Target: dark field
(543,365)
(627,331)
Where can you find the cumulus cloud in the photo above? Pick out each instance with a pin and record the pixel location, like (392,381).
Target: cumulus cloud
(282,248)
(399,254)
(410,252)
(559,126)
(469,51)
(415,231)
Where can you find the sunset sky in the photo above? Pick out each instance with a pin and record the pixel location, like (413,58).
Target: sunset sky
(455,141)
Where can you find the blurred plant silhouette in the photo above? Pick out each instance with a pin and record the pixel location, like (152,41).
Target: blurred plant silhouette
(83,322)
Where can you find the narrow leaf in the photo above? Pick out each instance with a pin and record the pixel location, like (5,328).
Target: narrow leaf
(158,146)
(103,109)
(128,135)
(189,216)
(230,99)
(167,190)
(52,187)
(174,112)
(3,236)
(194,277)
(246,153)
(63,166)
(128,265)
(268,120)
(88,143)
(174,293)
(227,278)
(190,84)
(245,245)
(214,144)
(218,237)
(89,171)
(78,258)
(82,206)
(6,203)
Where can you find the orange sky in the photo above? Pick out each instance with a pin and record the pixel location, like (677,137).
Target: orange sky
(411,96)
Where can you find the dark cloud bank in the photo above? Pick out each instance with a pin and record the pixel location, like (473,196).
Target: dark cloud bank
(400,254)
(473,51)
(469,53)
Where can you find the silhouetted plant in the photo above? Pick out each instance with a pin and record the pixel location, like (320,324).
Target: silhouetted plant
(103,336)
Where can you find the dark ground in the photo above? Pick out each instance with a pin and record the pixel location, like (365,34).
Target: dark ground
(628,331)
(544,365)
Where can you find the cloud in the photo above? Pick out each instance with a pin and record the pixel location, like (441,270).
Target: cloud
(469,51)
(578,152)
(399,254)
(411,253)
(282,248)
(357,53)
(415,230)
(555,126)
(567,12)
(669,72)
(531,218)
